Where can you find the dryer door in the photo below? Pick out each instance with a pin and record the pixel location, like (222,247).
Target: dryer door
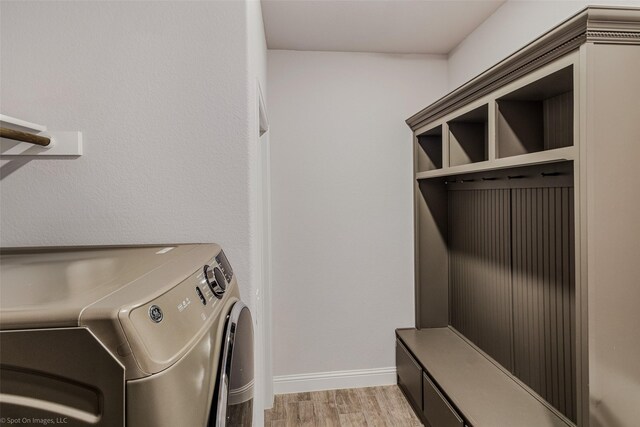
(235,386)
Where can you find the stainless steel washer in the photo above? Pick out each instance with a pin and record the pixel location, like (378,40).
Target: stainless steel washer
(112,336)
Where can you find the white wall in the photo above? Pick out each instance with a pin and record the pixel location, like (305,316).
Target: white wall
(341,161)
(515,24)
(160,92)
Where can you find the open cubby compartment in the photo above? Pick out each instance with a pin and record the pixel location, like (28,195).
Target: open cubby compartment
(536,117)
(469,136)
(429,150)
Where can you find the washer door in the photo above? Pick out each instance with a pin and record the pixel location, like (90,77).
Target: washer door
(235,386)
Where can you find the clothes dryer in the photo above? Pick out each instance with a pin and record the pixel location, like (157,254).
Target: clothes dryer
(112,336)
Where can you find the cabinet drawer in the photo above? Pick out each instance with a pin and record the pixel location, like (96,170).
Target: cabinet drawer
(409,374)
(436,408)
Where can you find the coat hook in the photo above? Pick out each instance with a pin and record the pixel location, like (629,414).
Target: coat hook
(551,173)
(516,176)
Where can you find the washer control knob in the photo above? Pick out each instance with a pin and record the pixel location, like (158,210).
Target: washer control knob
(211,276)
(220,279)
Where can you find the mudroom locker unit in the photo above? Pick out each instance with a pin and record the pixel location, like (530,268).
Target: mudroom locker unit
(527,237)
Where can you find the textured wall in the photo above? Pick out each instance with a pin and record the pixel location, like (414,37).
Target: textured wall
(159,90)
(341,161)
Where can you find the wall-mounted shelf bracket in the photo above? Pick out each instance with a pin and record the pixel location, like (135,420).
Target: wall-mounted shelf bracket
(62,143)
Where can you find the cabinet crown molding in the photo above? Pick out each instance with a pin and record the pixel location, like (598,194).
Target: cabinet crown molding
(612,25)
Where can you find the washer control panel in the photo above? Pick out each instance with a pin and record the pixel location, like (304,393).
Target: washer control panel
(166,323)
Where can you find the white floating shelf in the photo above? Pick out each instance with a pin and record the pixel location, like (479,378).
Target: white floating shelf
(63,143)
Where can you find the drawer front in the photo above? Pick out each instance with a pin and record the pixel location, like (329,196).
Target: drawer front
(409,374)
(436,408)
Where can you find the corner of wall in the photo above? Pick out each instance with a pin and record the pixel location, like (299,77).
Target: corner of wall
(256,83)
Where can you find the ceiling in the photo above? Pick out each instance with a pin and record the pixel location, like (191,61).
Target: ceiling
(385,26)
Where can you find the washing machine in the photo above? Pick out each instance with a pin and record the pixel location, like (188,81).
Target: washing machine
(113,336)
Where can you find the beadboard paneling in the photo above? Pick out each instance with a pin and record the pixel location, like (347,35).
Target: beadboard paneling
(558,121)
(479,269)
(543,294)
(511,282)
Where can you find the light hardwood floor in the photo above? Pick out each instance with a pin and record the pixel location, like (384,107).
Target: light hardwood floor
(354,407)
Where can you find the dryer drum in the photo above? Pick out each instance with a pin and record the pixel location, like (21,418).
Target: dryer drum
(235,386)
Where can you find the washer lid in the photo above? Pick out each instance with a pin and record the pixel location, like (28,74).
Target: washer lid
(49,287)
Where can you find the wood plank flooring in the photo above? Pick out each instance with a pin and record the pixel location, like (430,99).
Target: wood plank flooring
(354,407)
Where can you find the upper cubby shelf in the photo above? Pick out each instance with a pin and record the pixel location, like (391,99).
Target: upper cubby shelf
(528,121)
(469,137)
(536,117)
(429,150)
(561,154)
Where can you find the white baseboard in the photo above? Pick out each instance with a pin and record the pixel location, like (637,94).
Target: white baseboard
(334,380)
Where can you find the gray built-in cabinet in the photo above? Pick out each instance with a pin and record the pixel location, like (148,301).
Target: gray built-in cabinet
(527,237)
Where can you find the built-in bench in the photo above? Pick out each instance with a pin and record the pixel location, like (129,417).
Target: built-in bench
(450,383)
